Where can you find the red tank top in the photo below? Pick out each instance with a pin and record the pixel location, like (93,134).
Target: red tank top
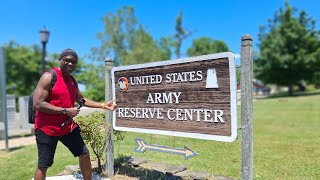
(63,94)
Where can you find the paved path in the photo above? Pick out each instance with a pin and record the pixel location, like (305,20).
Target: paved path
(18,142)
(24,141)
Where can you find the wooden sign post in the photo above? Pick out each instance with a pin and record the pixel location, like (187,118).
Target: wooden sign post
(192,97)
(246,108)
(109,166)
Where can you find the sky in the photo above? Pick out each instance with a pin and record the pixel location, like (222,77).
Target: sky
(75,23)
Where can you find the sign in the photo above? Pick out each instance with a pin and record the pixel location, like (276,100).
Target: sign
(143,146)
(192,97)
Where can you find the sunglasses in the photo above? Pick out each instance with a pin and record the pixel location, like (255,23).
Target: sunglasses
(72,61)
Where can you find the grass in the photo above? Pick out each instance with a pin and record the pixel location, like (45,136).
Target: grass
(286,146)
(286,136)
(20,163)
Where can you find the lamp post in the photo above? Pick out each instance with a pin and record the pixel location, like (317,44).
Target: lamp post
(44,36)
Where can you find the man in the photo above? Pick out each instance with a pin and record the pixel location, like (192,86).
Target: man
(53,106)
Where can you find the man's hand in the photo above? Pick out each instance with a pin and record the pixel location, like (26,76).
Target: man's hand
(72,112)
(110,105)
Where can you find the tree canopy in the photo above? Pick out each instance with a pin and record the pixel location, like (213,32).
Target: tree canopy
(123,39)
(206,45)
(289,49)
(127,42)
(180,35)
(23,68)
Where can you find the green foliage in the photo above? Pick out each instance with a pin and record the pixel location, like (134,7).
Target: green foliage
(94,79)
(289,49)
(144,49)
(206,45)
(94,131)
(180,35)
(165,45)
(23,68)
(127,41)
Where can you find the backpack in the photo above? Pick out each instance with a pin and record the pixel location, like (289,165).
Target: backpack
(31,110)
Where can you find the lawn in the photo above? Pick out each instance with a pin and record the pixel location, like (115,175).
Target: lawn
(286,146)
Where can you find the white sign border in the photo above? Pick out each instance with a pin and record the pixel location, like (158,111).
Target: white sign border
(233,98)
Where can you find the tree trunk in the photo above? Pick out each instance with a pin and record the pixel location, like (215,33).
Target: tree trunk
(99,165)
(99,161)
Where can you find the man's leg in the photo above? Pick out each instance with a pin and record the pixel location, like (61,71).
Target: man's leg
(75,144)
(46,150)
(40,173)
(85,166)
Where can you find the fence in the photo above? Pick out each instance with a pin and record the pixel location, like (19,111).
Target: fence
(23,113)
(16,120)
(11,111)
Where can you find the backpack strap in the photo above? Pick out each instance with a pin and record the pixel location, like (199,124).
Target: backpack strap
(53,79)
(74,81)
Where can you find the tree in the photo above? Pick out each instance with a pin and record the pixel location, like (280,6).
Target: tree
(165,45)
(94,131)
(93,78)
(180,35)
(289,49)
(144,49)
(127,41)
(206,45)
(23,68)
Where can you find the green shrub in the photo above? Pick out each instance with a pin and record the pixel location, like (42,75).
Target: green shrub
(94,131)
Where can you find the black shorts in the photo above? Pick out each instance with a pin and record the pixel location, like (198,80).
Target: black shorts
(47,146)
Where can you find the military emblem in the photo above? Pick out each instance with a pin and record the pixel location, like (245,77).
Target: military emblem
(123,84)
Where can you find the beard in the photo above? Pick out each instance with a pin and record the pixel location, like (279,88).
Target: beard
(69,69)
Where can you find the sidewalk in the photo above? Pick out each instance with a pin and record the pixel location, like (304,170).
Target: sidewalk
(18,142)
(14,141)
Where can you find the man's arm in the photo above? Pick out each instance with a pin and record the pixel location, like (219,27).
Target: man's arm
(41,94)
(90,103)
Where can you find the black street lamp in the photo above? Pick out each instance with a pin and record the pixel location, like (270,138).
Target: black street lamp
(44,36)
